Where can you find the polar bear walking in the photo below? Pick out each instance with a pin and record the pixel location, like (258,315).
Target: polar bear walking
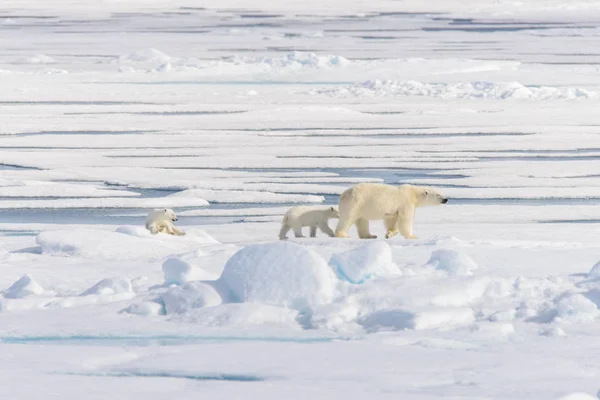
(161,220)
(394,204)
(314,216)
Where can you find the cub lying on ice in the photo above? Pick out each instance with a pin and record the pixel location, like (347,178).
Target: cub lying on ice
(394,204)
(314,216)
(161,220)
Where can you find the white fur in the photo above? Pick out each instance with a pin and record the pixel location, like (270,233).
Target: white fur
(161,220)
(314,216)
(375,201)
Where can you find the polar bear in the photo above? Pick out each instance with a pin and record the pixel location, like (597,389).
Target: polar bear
(314,216)
(394,204)
(161,220)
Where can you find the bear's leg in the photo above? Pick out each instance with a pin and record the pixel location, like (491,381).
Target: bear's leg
(298,232)
(345,221)
(390,226)
(152,229)
(170,229)
(326,229)
(162,228)
(283,232)
(404,226)
(313,231)
(178,232)
(362,226)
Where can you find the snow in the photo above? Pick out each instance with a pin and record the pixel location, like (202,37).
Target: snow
(126,243)
(178,271)
(281,274)
(232,113)
(452,262)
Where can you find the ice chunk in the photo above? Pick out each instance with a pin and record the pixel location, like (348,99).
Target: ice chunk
(452,262)
(177,271)
(192,295)
(24,287)
(110,286)
(283,274)
(576,308)
(595,271)
(365,262)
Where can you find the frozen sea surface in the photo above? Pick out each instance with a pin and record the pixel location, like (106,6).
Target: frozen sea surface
(232,113)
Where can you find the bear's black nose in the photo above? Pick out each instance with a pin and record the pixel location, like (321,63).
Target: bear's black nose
(444,201)
(175,219)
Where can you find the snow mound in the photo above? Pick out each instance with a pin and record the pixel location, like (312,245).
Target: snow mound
(200,236)
(595,271)
(281,274)
(366,262)
(36,59)
(110,286)
(178,271)
(24,287)
(452,262)
(131,230)
(182,299)
(146,308)
(469,90)
(148,55)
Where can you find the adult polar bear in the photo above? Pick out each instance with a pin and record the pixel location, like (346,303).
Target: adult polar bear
(394,204)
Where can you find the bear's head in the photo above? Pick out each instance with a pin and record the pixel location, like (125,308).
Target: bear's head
(170,214)
(332,212)
(431,197)
(164,214)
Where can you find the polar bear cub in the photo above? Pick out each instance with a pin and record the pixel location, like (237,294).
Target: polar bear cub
(161,220)
(375,201)
(314,216)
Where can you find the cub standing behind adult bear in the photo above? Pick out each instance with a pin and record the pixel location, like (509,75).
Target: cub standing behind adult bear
(161,220)
(394,204)
(314,216)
